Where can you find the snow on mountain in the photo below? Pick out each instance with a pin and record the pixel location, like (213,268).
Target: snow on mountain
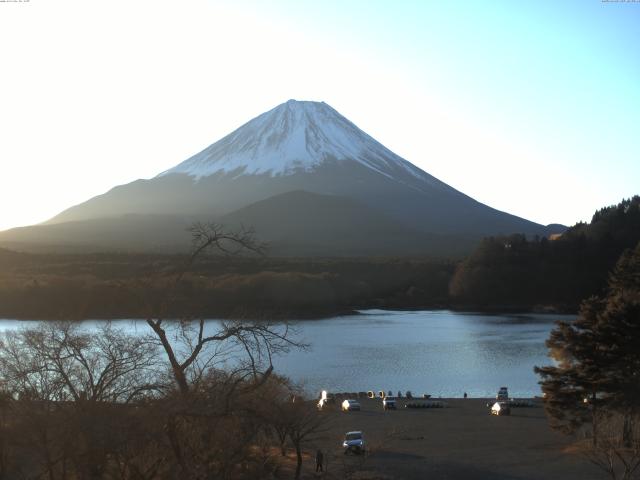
(295,136)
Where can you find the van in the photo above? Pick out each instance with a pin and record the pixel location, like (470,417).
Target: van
(503,394)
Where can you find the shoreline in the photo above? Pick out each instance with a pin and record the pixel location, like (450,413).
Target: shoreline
(317,316)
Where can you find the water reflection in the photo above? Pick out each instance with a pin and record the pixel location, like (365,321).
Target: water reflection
(442,353)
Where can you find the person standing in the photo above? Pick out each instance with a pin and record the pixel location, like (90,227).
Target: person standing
(319,461)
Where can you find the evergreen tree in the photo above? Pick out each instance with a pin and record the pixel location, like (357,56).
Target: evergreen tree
(597,355)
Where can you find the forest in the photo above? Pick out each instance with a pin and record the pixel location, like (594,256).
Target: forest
(38,286)
(515,272)
(502,274)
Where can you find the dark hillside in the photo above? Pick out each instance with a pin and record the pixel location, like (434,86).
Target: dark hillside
(513,271)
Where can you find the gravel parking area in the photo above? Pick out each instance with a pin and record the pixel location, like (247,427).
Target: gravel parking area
(460,441)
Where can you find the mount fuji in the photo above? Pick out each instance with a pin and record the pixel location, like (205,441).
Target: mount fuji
(310,182)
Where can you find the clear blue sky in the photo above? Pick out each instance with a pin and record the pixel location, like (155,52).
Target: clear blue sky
(532,107)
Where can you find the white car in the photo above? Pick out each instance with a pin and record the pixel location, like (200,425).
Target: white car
(353,442)
(389,403)
(348,405)
(501,408)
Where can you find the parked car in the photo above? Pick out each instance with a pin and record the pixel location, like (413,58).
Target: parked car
(350,404)
(353,443)
(503,394)
(501,408)
(389,403)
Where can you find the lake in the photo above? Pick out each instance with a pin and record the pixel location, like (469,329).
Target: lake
(442,353)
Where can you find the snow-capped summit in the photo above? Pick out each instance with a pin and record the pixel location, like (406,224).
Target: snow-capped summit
(294,136)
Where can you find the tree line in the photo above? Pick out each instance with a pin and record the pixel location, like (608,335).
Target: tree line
(519,272)
(110,285)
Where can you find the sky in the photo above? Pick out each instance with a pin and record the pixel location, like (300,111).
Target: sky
(531,107)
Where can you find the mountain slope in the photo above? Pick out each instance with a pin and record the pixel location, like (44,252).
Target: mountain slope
(300,223)
(297,146)
(163,233)
(294,223)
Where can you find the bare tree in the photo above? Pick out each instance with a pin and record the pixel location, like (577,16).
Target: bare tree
(5,433)
(617,451)
(190,349)
(60,362)
(306,423)
(213,364)
(69,389)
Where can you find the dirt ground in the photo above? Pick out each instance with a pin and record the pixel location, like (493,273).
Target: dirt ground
(461,441)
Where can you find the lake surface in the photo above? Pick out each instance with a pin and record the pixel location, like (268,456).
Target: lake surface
(442,353)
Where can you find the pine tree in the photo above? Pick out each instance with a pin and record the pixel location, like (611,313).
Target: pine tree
(597,355)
